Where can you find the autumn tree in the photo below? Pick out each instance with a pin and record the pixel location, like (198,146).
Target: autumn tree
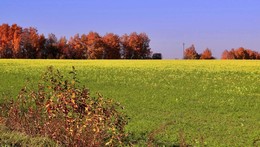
(232,54)
(225,55)
(95,46)
(112,46)
(251,54)
(240,53)
(191,53)
(51,47)
(126,50)
(34,40)
(16,40)
(144,50)
(5,42)
(257,55)
(84,48)
(135,46)
(42,52)
(78,47)
(63,47)
(207,54)
(228,55)
(25,44)
(10,40)
(29,43)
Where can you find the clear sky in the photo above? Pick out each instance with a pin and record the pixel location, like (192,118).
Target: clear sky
(216,24)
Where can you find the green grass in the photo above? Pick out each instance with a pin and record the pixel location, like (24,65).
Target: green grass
(218,101)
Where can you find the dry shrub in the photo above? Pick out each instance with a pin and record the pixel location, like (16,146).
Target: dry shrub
(66,113)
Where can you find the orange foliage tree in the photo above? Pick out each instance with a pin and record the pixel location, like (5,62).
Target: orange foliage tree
(191,53)
(30,42)
(5,42)
(207,54)
(135,46)
(95,46)
(240,53)
(63,47)
(16,39)
(77,47)
(112,46)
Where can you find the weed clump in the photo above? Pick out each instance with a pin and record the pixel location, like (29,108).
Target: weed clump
(61,110)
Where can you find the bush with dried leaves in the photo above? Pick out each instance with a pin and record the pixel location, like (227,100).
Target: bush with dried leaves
(66,113)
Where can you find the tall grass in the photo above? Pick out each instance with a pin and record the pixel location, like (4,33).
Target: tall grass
(12,138)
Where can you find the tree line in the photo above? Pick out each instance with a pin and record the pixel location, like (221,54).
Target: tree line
(240,53)
(27,43)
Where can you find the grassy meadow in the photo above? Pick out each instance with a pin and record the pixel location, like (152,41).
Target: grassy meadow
(215,103)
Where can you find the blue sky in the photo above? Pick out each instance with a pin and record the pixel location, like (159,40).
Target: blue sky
(216,24)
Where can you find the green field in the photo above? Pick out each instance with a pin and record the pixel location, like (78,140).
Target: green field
(218,101)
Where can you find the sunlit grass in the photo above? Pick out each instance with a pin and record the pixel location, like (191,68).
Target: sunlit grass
(215,100)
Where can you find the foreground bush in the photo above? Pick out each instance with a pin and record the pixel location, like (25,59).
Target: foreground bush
(66,113)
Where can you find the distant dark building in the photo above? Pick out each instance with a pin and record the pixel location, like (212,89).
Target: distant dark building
(157,56)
